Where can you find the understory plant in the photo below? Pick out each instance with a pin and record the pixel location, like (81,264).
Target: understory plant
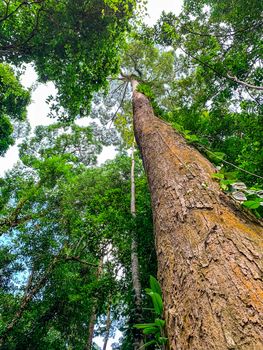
(154,331)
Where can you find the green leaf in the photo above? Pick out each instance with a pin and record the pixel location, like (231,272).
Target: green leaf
(191,138)
(148,290)
(149,343)
(253,204)
(217,176)
(224,184)
(157,302)
(162,340)
(144,325)
(150,330)
(155,285)
(159,322)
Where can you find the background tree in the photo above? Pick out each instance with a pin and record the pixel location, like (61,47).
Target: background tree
(68,44)
(216,94)
(13,103)
(58,220)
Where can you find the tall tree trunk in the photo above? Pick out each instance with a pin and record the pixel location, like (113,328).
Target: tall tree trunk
(108,325)
(136,283)
(209,250)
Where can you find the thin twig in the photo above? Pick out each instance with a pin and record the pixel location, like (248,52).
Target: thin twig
(77,258)
(120,105)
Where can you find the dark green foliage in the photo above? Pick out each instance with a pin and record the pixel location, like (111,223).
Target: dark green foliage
(147,91)
(68,42)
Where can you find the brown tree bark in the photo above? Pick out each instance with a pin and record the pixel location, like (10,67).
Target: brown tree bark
(92,322)
(209,250)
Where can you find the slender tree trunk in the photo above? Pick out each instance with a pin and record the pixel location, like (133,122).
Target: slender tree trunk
(108,325)
(209,250)
(136,283)
(92,322)
(93,316)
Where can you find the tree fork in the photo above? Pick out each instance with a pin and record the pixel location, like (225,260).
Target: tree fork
(209,250)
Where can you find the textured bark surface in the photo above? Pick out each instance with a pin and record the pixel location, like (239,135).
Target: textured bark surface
(209,250)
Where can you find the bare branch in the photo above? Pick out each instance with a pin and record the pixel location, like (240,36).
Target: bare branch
(123,97)
(247,85)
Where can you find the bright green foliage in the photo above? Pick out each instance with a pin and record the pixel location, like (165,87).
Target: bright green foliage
(74,143)
(147,63)
(13,102)
(147,91)
(249,197)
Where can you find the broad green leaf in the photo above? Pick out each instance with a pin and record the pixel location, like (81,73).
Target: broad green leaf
(253,204)
(150,330)
(157,303)
(144,325)
(155,285)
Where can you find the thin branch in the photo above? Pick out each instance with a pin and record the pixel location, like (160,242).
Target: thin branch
(118,87)
(137,70)
(7,15)
(25,2)
(223,35)
(247,85)
(30,292)
(77,258)
(229,163)
(78,244)
(13,220)
(227,76)
(120,105)
(14,47)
